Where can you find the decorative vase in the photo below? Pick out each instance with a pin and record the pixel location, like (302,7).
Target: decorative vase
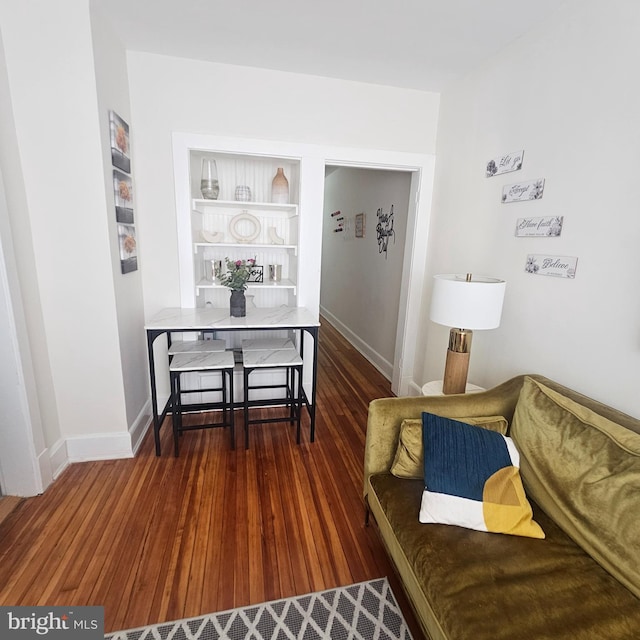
(243,193)
(280,188)
(238,304)
(209,180)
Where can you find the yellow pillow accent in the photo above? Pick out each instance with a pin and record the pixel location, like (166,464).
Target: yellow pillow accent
(505,505)
(409,460)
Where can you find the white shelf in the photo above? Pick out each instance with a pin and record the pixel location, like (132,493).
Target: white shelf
(243,245)
(288,209)
(281,284)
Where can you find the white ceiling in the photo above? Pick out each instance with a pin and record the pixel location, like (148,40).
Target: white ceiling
(418,44)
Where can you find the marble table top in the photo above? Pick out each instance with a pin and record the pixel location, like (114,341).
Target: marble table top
(178,319)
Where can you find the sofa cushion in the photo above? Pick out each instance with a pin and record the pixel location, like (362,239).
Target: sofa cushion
(409,459)
(472,479)
(584,471)
(490,587)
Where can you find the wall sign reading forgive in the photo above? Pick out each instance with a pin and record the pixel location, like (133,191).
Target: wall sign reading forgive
(522,191)
(384,230)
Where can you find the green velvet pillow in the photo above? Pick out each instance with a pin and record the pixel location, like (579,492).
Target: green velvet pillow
(584,471)
(409,459)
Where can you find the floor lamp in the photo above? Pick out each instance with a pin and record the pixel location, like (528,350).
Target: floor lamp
(464,303)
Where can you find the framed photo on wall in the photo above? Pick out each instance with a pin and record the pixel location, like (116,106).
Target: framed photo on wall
(119,134)
(123,196)
(360,225)
(128,248)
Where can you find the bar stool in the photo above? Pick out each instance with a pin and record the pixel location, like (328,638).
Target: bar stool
(196,346)
(221,361)
(273,354)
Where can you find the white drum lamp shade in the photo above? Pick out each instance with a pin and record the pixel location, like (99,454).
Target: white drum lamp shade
(464,303)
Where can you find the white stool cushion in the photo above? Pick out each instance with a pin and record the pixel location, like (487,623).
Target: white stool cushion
(196,346)
(261,344)
(213,361)
(271,358)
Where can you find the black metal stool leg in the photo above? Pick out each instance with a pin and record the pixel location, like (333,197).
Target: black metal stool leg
(176,409)
(231,409)
(246,408)
(298,399)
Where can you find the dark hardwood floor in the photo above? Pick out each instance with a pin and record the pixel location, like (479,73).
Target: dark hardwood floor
(154,539)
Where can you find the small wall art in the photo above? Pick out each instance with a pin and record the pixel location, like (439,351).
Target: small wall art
(123,195)
(522,191)
(257,273)
(128,248)
(360,225)
(505,164)
(119,134)
(557,266)
(384,230)
(544,227)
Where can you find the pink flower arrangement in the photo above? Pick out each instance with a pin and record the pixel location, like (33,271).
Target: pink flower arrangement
(238,273)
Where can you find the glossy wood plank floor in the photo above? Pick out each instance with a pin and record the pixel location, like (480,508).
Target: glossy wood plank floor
(155,539)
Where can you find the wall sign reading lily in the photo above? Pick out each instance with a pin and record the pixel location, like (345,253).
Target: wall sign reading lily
(505,164)
(522,191)
(558,266)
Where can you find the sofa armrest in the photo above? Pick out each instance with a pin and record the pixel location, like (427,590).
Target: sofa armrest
(386,416)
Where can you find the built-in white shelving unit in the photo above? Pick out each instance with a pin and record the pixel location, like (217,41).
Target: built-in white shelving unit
(258,228)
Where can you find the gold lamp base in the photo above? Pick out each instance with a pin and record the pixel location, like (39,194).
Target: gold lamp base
(456,366)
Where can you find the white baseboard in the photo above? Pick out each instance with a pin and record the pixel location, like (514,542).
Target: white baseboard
(95,446)
(99,446)
(139,428)
(414,389)
(58,458)
(380,363)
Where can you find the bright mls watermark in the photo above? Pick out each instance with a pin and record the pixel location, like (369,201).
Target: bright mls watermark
(52,623)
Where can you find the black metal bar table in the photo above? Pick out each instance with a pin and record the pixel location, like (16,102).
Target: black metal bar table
(179,320)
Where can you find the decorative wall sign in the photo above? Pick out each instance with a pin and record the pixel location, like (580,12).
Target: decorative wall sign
(522,191)
(505,164)
(128,248)
(384,230)
(257,273)
(558,266)
(123,194)
(360,225)
(545,227)
(119,134)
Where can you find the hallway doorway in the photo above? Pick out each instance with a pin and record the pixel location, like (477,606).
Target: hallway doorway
(368,227)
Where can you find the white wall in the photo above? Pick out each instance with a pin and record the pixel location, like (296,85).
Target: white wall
(55,192)
(360,291)
(113,94)
(177,95)
(565,94)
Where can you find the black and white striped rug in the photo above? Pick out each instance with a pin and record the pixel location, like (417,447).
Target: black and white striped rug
(363,611)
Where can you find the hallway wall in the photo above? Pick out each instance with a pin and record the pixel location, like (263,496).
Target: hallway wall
(360,284)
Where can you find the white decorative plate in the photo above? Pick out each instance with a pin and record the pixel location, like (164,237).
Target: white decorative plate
(244,227)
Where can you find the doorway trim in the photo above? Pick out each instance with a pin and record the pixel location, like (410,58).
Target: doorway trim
(421,168)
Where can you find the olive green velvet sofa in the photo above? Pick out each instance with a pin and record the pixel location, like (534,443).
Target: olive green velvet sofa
(580,466)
